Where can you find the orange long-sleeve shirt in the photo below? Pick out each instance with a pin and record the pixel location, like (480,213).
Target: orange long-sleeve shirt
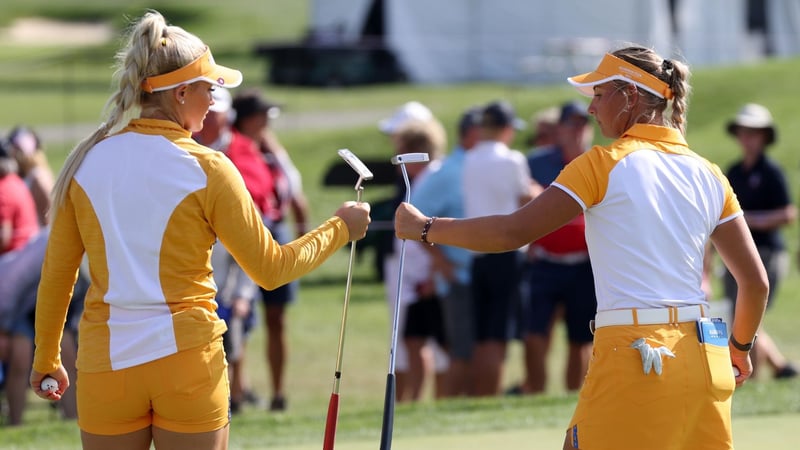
(145,206)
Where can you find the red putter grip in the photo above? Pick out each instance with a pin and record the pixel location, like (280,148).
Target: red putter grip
(330,423)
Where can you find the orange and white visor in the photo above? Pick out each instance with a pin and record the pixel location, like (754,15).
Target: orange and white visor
(201,69)
(612,68)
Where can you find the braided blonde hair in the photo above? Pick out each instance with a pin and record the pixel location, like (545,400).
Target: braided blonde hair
(152,48)
(674,73)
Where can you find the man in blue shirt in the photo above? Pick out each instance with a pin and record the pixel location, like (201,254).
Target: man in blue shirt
(440,194)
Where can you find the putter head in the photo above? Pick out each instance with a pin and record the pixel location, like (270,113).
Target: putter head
(356,164)
(408,158)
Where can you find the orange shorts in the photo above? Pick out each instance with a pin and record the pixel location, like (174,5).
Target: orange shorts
(687,406)
(187,392)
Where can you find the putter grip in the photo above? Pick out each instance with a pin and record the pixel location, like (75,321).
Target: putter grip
(330,423)
(388,414)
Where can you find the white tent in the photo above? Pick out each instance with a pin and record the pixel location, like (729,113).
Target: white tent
(439,41)
(513,40)
(784,15)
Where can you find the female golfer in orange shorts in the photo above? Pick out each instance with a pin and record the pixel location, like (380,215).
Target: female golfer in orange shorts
(145,204)
(651,205)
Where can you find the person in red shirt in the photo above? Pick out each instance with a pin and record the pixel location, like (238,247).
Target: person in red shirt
(18,220)
(33,167)
(253,116)
(237,292)
(559,279)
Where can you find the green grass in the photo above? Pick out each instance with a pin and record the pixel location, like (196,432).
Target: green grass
(49,86)
(257,429)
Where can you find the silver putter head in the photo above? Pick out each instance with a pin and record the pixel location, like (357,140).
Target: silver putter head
(408,158)
(356,164)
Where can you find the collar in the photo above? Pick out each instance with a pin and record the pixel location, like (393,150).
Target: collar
(655,133)
(157,126)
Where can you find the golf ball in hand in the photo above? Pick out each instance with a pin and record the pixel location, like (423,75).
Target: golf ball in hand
(49,384)
(735,371)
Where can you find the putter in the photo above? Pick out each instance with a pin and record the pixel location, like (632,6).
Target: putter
(388,405)
(333,406)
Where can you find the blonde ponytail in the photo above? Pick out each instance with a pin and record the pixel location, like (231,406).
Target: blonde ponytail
(152,48)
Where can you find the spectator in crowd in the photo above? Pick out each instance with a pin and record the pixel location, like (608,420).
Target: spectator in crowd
(412,111)
(285,196)
(440,193)
(380,236)
(145,204)
(236,292)
(217,132)
(18,225)
(236,296)
(558,275)
(18,222)
(762,190)
(421,346)
(19,279)
(496,180)
(543,128)
(26,148)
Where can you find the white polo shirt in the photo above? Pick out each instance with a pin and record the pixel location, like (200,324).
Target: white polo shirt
(651,205)
(495,178)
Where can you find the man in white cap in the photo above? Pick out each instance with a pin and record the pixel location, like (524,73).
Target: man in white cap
(407,112)
(383,240)
(217,124)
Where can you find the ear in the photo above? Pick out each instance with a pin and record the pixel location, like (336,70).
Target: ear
(632,94)
(180,93)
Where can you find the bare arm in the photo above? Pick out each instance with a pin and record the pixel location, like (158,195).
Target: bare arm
(298,202)
(299,206)
(6,233)
(493,234)
(41,188)
(770,220)
(735,246)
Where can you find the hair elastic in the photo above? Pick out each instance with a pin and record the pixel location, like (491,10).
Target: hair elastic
(667,66)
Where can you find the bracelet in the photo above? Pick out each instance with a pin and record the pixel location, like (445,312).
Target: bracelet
(743,347)
(424,236)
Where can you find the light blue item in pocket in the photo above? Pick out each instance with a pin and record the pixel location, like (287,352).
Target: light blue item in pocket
(712,331)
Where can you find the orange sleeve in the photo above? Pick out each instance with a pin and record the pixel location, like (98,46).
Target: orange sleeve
(587,176)
(239,226)
(59,273)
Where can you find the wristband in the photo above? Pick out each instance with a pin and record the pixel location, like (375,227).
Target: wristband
(743,347)
(424,236)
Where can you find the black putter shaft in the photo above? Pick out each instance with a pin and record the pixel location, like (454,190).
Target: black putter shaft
(389,400)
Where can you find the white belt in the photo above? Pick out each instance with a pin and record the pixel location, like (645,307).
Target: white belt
(652,316)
